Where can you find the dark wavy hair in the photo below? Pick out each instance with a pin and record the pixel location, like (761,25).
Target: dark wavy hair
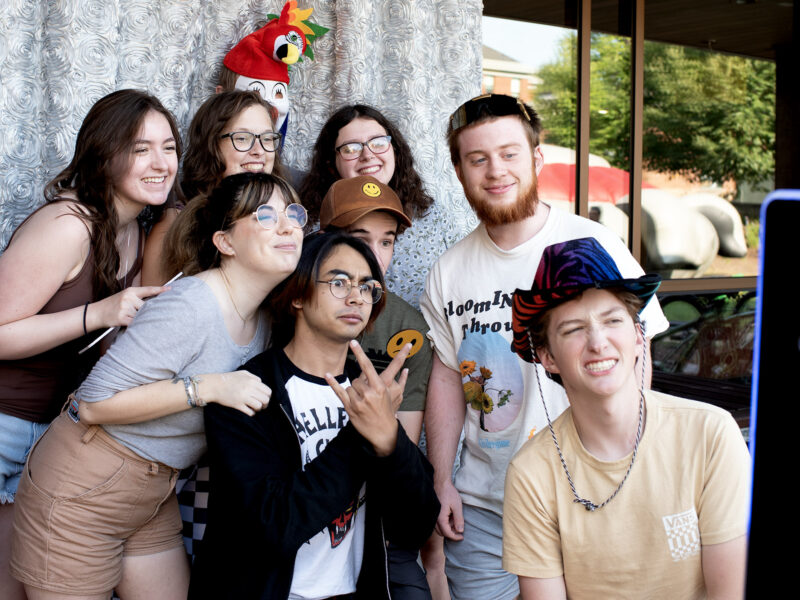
(189,245)
(300,284)
(103,153)
(405,180)
(203,165)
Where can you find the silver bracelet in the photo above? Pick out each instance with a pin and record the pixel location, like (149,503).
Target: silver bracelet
(191,393)
(198,400)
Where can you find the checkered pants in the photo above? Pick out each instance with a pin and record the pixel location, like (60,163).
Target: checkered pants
(192,490)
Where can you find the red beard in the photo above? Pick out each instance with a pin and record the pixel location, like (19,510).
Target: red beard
(524,207)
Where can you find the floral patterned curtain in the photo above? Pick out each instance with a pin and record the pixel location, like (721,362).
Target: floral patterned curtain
(415,60)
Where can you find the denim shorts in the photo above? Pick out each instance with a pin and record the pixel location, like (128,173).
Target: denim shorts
(17,436)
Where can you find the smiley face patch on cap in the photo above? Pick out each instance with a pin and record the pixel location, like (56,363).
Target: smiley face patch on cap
(371,190)
(350,199)
(401,338)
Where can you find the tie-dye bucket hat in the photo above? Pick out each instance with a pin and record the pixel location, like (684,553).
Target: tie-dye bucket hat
(566,269)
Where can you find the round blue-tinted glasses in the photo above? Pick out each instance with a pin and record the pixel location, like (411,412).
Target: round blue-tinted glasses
(267,215)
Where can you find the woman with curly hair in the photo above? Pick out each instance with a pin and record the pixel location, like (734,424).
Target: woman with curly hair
(232,132)
(358,140)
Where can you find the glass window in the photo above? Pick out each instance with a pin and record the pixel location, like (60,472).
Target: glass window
(710,339)
(708,143)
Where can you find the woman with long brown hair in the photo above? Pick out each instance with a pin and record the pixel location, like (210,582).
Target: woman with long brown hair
(72,269)
(232,132)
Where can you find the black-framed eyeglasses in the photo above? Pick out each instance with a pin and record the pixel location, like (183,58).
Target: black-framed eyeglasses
(496,105)
(352,150)
(243,140)
(267,216)
(370,290)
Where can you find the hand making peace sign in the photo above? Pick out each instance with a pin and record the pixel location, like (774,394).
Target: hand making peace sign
(372,400)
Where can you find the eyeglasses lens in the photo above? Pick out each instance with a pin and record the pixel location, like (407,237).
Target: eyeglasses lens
(370,291)
(243,140)
(297,215)
(268,216)
(378,145)
(269,141)
(374,292)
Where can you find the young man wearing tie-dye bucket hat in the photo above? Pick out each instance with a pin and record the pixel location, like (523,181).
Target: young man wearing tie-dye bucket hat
(630,492)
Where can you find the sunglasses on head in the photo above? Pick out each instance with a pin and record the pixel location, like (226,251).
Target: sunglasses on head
(494,105)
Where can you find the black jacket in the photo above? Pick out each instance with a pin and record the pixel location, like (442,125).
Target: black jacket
(263,506)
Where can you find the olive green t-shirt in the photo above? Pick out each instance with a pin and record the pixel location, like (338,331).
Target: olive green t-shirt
(398,324)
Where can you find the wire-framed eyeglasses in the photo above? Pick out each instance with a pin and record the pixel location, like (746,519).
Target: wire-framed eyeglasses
(267,216)
(352,150)
(243,141)
(370,290)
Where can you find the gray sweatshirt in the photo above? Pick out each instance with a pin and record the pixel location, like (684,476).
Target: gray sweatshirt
(178,333)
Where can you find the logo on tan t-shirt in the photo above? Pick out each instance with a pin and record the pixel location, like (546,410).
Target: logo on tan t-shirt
(683,534)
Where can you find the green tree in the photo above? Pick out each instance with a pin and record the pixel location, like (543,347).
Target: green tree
(706,114)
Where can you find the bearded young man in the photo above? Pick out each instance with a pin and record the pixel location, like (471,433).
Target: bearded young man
(477,382)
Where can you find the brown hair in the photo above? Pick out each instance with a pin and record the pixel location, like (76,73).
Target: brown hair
(227,79)
(103,152)
(405,180)
(533,129)
(189,245)
(203,165)
(538,331)
(300,284)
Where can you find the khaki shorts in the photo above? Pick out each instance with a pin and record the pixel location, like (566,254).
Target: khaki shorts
(84,502)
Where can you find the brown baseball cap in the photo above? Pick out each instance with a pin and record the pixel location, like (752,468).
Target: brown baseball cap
(348,200)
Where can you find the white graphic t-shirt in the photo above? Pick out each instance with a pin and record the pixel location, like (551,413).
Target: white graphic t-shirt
(467,304)
(318,416)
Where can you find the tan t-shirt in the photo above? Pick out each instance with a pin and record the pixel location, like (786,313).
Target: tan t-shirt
(689,487)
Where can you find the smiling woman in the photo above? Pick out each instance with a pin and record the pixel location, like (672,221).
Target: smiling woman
(99,490)
(353,142)
(151,174)
(214,152)
(69,270)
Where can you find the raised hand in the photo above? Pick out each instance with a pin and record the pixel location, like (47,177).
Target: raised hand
(372,400)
